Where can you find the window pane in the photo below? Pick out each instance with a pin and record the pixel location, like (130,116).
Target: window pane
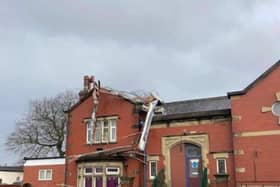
(98,170)
(42,174)
(193,151)
(89,131)
(48,174)
(221,166)
(153,169)
(88,170)
(105,133)
(113,131)
(112,170)
(98,132)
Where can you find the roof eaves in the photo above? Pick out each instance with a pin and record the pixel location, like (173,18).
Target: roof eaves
(42,158)
(193,115)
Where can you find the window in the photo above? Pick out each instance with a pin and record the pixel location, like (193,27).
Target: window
(153,169)
(88,171)
(112,171)
(106,131)
(89,132)
(97,137)
(276,108)
(98,170)
(113,131)
(45,174)
(18,179)
(221,166)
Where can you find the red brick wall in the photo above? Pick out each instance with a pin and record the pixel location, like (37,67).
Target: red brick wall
(220,140)
(109,105)
(31,174)
(261,153)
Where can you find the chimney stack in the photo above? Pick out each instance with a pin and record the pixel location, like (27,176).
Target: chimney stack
(88,85)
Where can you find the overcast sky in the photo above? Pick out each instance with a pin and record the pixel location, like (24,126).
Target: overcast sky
(182,49)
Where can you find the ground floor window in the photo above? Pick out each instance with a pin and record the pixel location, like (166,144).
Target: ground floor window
(221,166)
(153,169)
(99,175)
(45,174)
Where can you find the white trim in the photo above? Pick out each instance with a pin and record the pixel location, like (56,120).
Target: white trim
(45,162)
(217,165)
(150,169)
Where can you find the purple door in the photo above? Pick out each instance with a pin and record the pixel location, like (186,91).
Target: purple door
(112,181)
(98,181)
(88,181)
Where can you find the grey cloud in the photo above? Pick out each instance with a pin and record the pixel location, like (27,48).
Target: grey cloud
(182,49)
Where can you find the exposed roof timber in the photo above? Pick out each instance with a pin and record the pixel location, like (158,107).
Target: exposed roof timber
(128,96)
(261,77)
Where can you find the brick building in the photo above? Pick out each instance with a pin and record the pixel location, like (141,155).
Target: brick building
(235,138)
(44,172)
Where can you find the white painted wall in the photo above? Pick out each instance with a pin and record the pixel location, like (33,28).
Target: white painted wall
(9,177)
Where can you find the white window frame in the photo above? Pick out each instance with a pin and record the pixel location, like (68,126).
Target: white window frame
(45,175)
(89,129)
(217,165)
(113,125)
(111,172)
(150,169)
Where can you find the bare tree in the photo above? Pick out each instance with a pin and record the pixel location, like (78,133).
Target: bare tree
(42,130)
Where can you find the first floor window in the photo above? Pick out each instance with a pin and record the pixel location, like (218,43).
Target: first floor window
(153,169)
(221,166)
(45,174)
(106,131)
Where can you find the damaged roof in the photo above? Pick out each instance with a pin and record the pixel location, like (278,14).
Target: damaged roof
(215,106)
(128,96)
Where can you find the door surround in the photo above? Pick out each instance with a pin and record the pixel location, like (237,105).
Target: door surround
(169,142)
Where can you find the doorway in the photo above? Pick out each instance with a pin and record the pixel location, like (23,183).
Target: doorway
(193,165)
